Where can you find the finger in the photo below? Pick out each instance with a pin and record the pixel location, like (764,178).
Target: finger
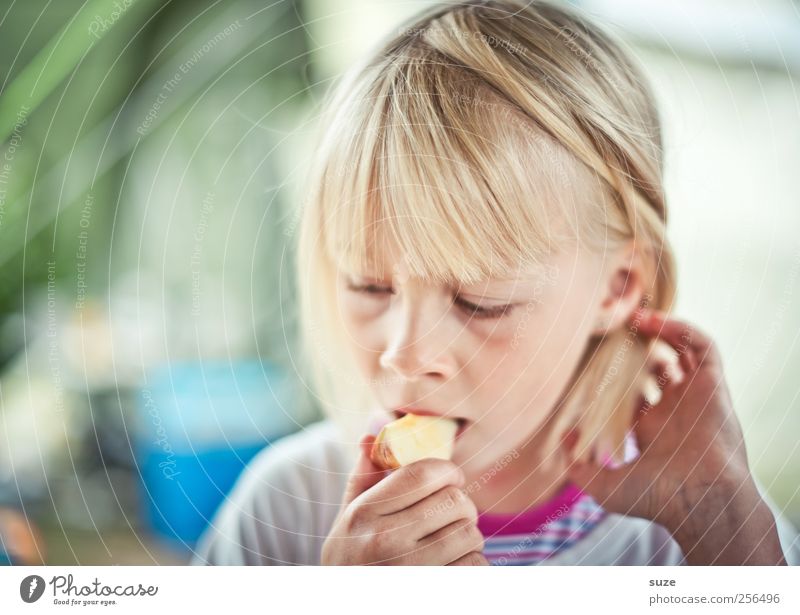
(452,542)
(471,559)
(651,393)
(663,374)
(437,511)
(682,336)
(644,320)
(365,474)
(409,484)
(676,337)
(665,362)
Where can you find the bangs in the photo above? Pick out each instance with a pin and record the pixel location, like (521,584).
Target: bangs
(431,159)
(475,143)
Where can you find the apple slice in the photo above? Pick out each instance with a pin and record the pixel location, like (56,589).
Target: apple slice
(411,438)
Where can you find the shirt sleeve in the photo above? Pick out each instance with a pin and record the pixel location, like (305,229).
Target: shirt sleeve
(264,520)
(282,507)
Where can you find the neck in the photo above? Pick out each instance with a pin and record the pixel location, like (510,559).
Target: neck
(526,481)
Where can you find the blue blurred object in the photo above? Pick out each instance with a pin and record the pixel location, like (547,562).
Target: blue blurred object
(199,425)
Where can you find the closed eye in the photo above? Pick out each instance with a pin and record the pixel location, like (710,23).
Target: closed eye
(473,310)
(478,311)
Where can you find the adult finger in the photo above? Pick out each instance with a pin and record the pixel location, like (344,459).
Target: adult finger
(662,375)
(693,346)
(664,363)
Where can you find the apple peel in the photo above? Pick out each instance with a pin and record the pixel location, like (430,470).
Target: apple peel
(411,438)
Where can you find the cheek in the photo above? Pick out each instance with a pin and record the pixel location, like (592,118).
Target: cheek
(362,331)
(540,354)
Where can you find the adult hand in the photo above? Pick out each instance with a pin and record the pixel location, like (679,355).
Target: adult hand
(692,474)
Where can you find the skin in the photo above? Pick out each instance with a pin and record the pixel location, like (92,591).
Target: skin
(505,374)
(692,475)
(423,347)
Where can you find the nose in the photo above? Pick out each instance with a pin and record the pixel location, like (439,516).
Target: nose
(418,345)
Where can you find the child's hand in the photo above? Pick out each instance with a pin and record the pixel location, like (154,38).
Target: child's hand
(692,475)
(415,515)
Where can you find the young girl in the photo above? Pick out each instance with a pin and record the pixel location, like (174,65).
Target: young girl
(485,240)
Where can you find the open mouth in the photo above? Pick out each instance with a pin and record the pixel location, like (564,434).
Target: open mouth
(463,423)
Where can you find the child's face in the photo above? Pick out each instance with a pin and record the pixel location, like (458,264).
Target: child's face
(418,347)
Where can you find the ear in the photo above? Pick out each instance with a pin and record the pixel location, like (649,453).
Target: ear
(621,290)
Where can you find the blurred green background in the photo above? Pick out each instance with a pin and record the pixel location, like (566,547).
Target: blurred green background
(153,158)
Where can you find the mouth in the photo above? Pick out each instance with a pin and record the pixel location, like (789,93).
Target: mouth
(463,424)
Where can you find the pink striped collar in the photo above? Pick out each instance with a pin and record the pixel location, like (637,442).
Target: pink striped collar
(533,519)
(530,520)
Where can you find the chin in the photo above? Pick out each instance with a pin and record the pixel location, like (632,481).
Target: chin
(477,460)
(471,458)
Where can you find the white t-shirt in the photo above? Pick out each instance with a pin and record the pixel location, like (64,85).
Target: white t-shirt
(284,504)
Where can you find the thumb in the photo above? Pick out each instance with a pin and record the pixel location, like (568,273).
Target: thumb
(365,474)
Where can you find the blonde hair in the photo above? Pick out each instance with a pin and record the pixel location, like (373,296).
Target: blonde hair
(479,138)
